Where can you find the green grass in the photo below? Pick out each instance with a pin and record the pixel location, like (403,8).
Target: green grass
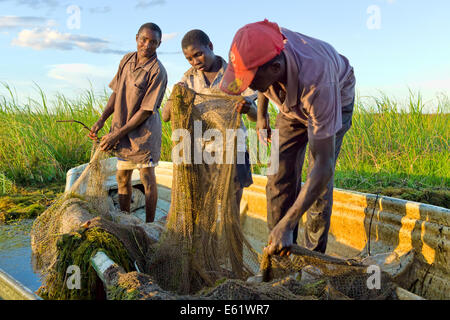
(392,147)
(34,148)
(387,146)
(29,202)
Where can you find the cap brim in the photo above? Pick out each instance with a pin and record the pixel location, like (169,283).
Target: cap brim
(234,82)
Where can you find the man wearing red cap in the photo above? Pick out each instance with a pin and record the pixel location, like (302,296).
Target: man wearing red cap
(313,87)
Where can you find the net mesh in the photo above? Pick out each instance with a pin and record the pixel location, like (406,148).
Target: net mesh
(337,278)
(201,252)
(47,227)
(203,241)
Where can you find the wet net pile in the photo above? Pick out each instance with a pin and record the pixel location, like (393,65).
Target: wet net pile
(55,232)
(51,224)
(81,222)
(200,252)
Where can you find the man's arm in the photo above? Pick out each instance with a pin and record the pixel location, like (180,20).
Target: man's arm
(109,110)
(247,104)
(263,120)
(166,111)
(322,150)
(110,140)
(248,107)
(263,103)
(252,113)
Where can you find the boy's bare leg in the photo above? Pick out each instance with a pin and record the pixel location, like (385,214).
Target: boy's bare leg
(124,185)
(148,179)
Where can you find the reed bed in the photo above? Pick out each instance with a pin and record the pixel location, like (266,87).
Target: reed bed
(389,145)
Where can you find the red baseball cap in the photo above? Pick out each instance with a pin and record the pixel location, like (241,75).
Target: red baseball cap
(253,45)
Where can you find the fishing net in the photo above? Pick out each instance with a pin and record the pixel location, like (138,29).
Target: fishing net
(56,233)
(52,223)
(203,241)
(200,251)
(81,222)
(334,278)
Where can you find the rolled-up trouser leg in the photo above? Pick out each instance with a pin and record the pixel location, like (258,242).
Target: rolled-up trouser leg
(283,187)
(319,214)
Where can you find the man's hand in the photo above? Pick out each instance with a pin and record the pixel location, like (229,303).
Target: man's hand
(280,240)
(95,129)
(243,106)
(263,129)
(109,141)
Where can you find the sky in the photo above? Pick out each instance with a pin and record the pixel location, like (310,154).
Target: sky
(69,46)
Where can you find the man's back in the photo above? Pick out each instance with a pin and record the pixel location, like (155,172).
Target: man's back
(319,63)
(320,82)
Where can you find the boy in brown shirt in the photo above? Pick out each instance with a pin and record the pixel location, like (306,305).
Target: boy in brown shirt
(138,89)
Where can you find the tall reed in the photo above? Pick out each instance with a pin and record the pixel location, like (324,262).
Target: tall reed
(387,144)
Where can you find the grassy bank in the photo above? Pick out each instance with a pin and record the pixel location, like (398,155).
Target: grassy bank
(34,148)
(396,151)
(28,202)
(392,147)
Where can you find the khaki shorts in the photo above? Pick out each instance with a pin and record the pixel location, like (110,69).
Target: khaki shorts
(129,165)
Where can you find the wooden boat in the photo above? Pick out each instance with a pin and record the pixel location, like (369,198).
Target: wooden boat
(361,224)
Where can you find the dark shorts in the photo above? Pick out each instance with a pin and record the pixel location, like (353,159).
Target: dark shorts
(244,172)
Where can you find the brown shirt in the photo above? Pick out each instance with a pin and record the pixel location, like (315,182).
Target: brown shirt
(136,88)
(320,82)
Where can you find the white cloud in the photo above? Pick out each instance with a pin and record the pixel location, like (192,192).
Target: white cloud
(104,9)
(35,4)
(80,74)
(143,4)
(168,36)
(13,22)
(47,38)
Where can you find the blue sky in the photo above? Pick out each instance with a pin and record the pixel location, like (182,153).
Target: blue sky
(65,46)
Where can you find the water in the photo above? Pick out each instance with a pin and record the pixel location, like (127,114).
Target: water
(15,253)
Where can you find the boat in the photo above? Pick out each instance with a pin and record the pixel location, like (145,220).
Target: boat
(11,289)
(392,231)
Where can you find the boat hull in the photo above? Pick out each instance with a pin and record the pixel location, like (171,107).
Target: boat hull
(360,224)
